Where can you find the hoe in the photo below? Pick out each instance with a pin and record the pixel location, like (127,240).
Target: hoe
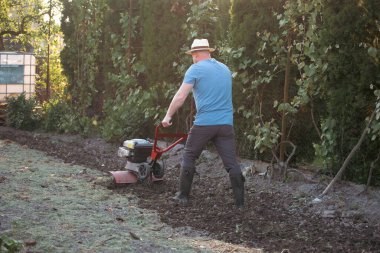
(143,158)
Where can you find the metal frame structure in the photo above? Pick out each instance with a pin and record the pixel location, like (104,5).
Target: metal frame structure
(27,61)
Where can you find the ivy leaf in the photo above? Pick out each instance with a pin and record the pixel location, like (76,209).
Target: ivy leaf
(372,52)
(138,67)
(283,22)
(287,108)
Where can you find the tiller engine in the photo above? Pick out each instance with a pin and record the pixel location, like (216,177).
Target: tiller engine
(143,158)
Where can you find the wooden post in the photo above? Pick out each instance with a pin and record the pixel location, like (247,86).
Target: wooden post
(286,100)
(129,52)
(48,57)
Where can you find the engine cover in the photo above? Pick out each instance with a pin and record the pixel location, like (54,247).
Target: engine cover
(136,150)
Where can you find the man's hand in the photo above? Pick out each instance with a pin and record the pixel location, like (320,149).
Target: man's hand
(167,121)
(177,101)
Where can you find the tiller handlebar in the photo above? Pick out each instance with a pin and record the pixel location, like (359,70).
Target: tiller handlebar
(157,151)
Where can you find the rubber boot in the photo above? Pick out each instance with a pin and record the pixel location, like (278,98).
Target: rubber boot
(237,183)
(185,182)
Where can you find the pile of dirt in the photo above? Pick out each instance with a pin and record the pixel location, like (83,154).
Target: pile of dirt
(276,216)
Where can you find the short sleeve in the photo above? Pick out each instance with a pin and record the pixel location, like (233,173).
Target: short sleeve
(190,75)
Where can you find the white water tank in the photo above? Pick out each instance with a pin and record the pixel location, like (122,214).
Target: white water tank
(17,74)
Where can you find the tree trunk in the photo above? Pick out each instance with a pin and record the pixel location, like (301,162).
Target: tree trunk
(286,100)
(48,88)
(129,53)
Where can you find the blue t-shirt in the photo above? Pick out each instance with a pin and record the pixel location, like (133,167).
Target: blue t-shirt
(212,89)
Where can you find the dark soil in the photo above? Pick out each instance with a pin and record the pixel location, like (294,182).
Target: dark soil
(276,216)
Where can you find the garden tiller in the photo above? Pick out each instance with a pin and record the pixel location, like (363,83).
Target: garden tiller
(143,158)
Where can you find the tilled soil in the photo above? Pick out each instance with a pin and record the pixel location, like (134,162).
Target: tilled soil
(276,216)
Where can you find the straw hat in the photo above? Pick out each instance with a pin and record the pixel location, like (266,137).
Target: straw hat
(200,45)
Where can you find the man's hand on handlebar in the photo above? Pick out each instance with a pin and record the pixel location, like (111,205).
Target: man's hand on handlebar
(167,121)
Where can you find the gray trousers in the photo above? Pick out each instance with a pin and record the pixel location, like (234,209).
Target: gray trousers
(223,137)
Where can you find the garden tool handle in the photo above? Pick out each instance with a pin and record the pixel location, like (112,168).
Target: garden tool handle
(156,151)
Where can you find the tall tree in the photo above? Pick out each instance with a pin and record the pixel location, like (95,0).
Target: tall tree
(18,18)
(223,24)
(255,113)
(349,30)
(162,39)
(48,44)
(82,26)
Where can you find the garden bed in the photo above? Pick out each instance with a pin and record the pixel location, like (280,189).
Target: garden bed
(276,216)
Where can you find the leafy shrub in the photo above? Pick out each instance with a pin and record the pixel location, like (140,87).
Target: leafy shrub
(59,116)
(73,122)
(130,116)
(134,112)
(21,113)
(8,245)
(54,114)
(324,151)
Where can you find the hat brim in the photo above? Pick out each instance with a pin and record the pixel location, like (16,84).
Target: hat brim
(200,49)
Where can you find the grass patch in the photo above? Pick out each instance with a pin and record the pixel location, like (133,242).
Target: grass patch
(52,206)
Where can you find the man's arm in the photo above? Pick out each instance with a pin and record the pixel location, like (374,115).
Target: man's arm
(177,101)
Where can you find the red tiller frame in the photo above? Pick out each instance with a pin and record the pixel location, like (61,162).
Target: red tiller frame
(157,151)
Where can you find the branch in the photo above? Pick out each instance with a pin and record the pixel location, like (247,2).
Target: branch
(349,157)
(14,33)
(371,171)
(289,157)
(274,154)
(290,129)
(291,154)
(293,151)
(312,117)
(283,165)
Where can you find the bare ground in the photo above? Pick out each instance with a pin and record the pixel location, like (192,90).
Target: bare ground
(276,216)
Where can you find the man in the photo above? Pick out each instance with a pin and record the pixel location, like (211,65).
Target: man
(211,83)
